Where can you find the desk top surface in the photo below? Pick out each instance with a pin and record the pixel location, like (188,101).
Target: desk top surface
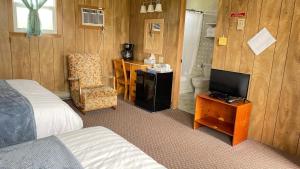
(135,62)
(235,104)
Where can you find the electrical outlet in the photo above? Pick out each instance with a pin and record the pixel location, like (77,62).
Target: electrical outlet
(240,24)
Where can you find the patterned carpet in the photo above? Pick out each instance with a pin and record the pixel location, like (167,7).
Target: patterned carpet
(168,138)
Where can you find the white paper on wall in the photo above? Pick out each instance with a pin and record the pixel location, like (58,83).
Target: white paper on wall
(261,41)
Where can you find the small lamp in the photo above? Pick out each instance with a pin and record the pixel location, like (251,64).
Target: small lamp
(143,9)
(158,7)
(150,8)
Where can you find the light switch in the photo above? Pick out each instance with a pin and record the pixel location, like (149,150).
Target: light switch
(240,24)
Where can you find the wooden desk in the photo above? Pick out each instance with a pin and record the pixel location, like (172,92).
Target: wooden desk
(132,66)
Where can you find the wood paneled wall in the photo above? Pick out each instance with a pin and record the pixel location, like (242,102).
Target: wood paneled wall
(171,18)
(274,87)
(44,58)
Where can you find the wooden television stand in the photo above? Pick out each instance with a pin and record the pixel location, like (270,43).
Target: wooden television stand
(229,118)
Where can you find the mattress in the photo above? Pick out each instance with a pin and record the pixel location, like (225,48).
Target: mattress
(52,115)
(99,147)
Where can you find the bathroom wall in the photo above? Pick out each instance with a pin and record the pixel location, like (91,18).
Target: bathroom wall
(202,64)
(202,5)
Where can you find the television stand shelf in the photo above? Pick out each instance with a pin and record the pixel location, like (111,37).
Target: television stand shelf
(229,118)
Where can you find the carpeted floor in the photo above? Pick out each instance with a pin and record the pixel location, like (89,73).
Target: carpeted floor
(168,138)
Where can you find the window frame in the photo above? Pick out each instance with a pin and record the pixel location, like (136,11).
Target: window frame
(20,31)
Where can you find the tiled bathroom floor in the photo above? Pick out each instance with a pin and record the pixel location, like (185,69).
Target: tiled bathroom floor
(187,102)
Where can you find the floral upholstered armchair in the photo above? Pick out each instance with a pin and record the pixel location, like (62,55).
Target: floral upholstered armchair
(87,90)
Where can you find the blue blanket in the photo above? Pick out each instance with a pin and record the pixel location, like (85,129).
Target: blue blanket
(17,123)
(46,153)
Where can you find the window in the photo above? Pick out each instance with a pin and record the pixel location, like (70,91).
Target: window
(47,16)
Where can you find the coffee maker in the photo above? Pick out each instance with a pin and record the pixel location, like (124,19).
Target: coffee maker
(127,52)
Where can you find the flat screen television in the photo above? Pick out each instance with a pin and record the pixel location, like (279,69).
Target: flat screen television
(229,83)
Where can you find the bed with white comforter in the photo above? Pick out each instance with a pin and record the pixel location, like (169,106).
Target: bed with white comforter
(89,148)
(99,148)
(52,115)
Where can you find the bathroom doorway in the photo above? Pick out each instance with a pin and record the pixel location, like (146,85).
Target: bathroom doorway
(198,44)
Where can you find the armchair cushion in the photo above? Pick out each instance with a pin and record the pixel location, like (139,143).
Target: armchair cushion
(98,97)
(102,91)
(87,68)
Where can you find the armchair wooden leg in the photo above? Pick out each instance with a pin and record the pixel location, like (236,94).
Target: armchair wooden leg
(114,107)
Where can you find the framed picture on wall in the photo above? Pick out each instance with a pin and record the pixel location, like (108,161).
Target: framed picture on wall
(155,27)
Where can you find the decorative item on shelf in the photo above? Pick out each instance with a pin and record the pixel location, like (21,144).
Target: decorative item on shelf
(151,8)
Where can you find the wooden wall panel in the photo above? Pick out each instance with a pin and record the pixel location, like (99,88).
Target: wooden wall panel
(287,131)
(5,53)
(35,58)
(262,69)
(79,30)
(68,32)
(109,36)
(3,15)
(283,36)
(44,58)
(251,28)
(47,65)
(235,38)
(121,25)
(91,35)
(223,25)
(5,56)
(274,88)
(20,58)
(58,64)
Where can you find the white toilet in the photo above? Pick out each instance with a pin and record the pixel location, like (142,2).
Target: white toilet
(200,84)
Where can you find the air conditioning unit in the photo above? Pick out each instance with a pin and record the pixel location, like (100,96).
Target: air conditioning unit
(92,17)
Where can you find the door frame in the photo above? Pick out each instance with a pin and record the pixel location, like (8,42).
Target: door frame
(180,39)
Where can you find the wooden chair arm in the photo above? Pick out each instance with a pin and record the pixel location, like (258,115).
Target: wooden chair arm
(76,79)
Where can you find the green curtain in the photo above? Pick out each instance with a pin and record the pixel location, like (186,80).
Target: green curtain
(34,24)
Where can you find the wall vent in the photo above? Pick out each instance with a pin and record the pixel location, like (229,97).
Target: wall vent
(92,17)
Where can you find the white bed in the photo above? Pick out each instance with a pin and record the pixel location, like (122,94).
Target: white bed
(100,148)
(52,115)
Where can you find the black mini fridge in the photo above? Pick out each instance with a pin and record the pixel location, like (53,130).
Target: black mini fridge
(153,90)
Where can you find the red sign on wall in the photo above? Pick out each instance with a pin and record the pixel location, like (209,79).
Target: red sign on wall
(238,14)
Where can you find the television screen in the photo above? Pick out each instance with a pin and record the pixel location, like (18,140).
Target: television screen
(230,83)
